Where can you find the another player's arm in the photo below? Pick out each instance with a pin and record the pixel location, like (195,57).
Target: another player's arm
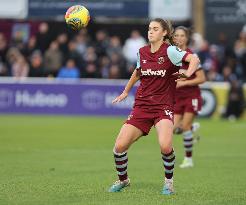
(199,79)
(194,62)
(134,78)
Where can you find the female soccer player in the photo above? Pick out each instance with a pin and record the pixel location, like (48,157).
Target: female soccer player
(157,68)
(188,99)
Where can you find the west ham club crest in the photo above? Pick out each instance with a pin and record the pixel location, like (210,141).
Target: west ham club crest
(160,60)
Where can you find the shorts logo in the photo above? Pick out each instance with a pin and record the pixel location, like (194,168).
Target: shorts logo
(161,60)
(169,113)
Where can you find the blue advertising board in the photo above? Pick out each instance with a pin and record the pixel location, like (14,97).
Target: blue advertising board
(86,97)
(63,98)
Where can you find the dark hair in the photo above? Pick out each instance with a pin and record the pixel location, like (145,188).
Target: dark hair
(167,26)
(187,32)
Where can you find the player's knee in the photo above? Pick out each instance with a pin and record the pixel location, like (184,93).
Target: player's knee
(186,127)
(120,148)
(166,149)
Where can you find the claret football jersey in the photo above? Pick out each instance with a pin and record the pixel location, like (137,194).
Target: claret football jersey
(157,83)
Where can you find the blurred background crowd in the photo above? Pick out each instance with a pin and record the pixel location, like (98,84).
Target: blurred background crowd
(106,54)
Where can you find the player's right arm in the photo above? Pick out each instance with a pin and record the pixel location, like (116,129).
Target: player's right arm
(134,78)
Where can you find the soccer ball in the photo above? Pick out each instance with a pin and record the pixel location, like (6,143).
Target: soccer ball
(77,17)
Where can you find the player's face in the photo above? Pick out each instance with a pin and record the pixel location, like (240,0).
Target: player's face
(180,38)
(155,32)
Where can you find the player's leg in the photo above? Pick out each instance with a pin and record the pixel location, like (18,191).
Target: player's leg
(164,130)
(179,109)
(194,128)
(187,139)
(177,129)
(196,106)
(127,135)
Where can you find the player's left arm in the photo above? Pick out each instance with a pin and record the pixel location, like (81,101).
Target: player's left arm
(199,79)
(193,61)
(177,57)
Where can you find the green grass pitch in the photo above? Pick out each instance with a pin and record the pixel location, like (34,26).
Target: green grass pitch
(59,160)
